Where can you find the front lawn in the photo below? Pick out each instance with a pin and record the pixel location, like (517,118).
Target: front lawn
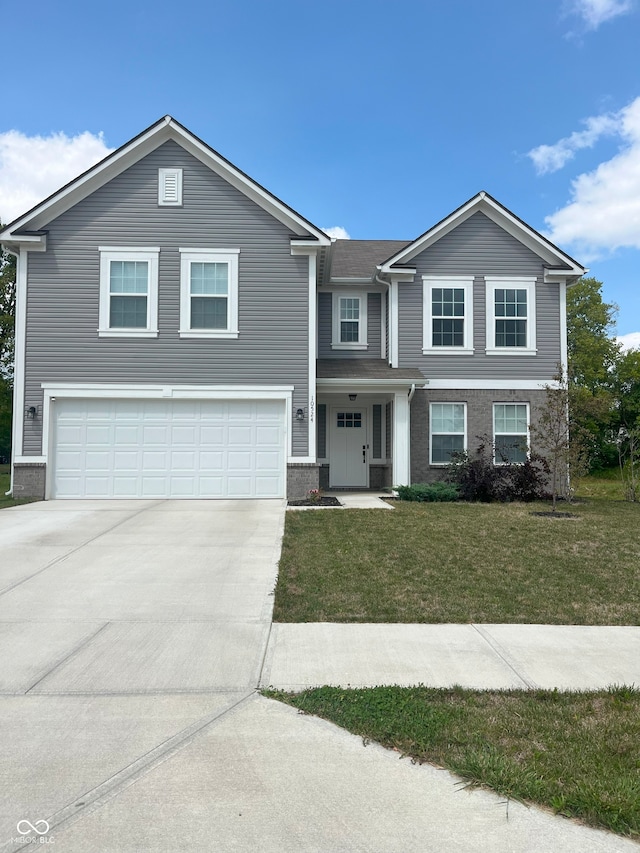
(576,753)
(463,563)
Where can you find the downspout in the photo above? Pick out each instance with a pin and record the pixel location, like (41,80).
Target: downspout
(412,392)
(378,280)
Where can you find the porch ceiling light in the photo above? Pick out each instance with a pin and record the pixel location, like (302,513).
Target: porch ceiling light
(352,397)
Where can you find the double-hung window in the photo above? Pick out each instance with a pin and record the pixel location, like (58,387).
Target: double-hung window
(511,316)
(128,292)
(510,432)
(447,314)
(209,293)
(447,431)
(349,321)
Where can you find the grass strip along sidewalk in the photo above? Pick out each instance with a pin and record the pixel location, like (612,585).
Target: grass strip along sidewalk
(576,753)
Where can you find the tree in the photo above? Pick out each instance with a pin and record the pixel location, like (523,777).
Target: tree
(560,441)
(7,339)
(593,357)
(590,321)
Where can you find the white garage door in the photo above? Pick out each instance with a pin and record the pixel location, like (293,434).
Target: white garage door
(168,449)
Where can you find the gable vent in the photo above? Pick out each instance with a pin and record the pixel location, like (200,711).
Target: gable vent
(170,187)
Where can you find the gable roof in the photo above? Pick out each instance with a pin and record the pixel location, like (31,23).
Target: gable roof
(360,259)
(559,262)
(25,227)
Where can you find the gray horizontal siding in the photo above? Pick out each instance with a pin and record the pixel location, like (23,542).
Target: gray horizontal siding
(478,247)
(63,291)
(374,319)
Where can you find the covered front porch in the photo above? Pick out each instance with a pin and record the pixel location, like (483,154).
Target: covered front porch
(363,423)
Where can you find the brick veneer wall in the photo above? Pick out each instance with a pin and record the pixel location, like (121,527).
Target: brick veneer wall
(479,421)
(29,480)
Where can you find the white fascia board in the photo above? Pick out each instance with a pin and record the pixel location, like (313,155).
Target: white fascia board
(159,133)
(502,217)
(490,384)
(29,242)
(562,275)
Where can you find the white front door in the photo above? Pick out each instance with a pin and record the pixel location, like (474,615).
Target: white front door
(348,452)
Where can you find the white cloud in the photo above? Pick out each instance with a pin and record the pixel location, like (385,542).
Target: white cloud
(550,158)
(596,12)
(337,232)
(33,167)
(630,341)
(604,211)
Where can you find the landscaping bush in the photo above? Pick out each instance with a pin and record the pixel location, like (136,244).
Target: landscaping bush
(478,478)
(428,492)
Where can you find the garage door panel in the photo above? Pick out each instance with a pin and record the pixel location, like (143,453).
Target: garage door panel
(267,487)
(98,487)
(127,434)
(211,461)
(168,448)
(211,487)
(70,434)
(210,435)
(155,434)
(240,435)
(98,461)
(155,461)
(126,460)
(97,434)
(153,487)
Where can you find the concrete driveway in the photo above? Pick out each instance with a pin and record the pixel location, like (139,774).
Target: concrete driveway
(125,627)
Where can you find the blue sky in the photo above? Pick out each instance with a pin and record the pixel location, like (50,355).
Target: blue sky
(379,118)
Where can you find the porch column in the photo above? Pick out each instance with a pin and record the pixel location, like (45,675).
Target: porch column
(401,468)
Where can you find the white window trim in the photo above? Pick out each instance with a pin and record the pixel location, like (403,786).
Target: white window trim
(431,433)
(429,282)
(211,256)
(518,283)
(122,253)
(361,343)
(163,201)
(511,403)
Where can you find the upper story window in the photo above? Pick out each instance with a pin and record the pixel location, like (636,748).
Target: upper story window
(128,292)
(447,314)
(170,187)
(349,321)
(209,293)
(511,316)
(510,432)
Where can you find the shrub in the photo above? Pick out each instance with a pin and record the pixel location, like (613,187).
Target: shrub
(478,478)
(428,492)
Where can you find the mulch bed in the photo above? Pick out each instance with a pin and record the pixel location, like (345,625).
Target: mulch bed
(324,501)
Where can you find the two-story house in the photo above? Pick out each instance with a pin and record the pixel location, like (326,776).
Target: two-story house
(181,332)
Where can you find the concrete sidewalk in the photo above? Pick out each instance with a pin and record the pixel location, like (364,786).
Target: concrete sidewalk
(488,657)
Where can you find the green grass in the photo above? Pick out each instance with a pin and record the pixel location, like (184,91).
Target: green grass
(5,484)
(576,753)
(464,563)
